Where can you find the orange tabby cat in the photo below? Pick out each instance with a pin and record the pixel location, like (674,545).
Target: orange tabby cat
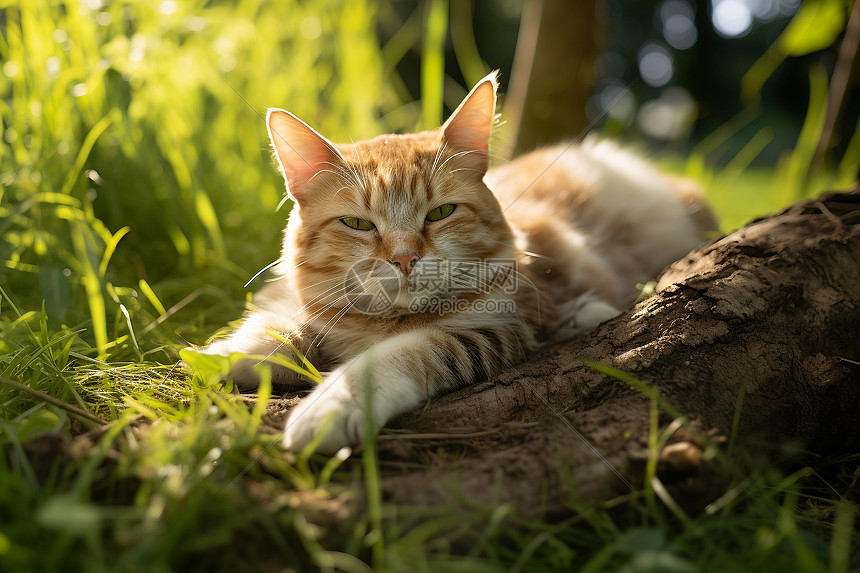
(409,269)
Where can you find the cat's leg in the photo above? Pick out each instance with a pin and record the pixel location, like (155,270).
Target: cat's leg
(273,311)
(392,376)
(253,338)
(250,338)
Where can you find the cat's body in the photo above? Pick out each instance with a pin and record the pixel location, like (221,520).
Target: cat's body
(405,275)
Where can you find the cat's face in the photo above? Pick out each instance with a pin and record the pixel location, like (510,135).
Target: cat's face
(391,224)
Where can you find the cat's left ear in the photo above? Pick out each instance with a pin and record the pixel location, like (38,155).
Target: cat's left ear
(468,128)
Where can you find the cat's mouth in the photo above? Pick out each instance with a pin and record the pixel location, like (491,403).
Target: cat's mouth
(379,288)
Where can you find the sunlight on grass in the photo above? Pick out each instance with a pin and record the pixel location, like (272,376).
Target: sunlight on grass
(135,168)
(138,196)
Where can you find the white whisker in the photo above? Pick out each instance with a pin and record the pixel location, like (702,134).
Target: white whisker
(361,166)
(316,314)
(455,155)
(464,169)
(439,152)
(337,316)
(261,271)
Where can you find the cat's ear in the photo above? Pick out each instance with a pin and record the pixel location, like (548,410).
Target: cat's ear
(301,151)
(468,128)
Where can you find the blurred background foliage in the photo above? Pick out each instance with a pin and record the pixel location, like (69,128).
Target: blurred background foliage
(133,154)
(138,195)
(134,164)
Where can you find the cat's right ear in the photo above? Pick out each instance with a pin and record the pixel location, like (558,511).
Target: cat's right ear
(301,151)
(468,128)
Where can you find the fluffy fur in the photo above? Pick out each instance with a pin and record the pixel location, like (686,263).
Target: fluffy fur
(572,228)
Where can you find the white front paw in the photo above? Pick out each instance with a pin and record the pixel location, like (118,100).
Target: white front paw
(357,398)
(331,409)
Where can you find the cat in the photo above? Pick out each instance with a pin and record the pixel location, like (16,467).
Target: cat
(409,268)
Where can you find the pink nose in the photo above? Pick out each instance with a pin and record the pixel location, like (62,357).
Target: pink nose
(404,262)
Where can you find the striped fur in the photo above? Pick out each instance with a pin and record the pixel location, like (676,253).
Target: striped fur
(582,224)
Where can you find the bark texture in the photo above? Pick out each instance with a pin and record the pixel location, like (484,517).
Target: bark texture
(771,312)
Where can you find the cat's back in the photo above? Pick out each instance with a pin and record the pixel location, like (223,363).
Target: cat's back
(607,198)
(569,178)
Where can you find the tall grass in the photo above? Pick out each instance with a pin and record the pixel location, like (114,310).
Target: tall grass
(135,170)
(137,196)
(134,150)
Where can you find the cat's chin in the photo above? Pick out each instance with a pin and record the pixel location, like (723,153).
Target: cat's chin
(403,305)
(423,303)
(407,304)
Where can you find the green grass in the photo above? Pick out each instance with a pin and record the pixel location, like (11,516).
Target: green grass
(137,196)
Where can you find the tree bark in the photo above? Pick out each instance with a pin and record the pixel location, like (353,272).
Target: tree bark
(544,105)
(763,323)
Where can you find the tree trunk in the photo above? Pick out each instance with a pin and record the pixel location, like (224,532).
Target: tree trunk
(553,74)
(764,323)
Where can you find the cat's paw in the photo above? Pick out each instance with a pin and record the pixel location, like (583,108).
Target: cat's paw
(581,315)
(593,312)
(331,408)
(357,398)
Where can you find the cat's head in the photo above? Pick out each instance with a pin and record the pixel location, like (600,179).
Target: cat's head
(385,218)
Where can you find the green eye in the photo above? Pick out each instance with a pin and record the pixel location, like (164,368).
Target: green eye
(440,213)
(358,224)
